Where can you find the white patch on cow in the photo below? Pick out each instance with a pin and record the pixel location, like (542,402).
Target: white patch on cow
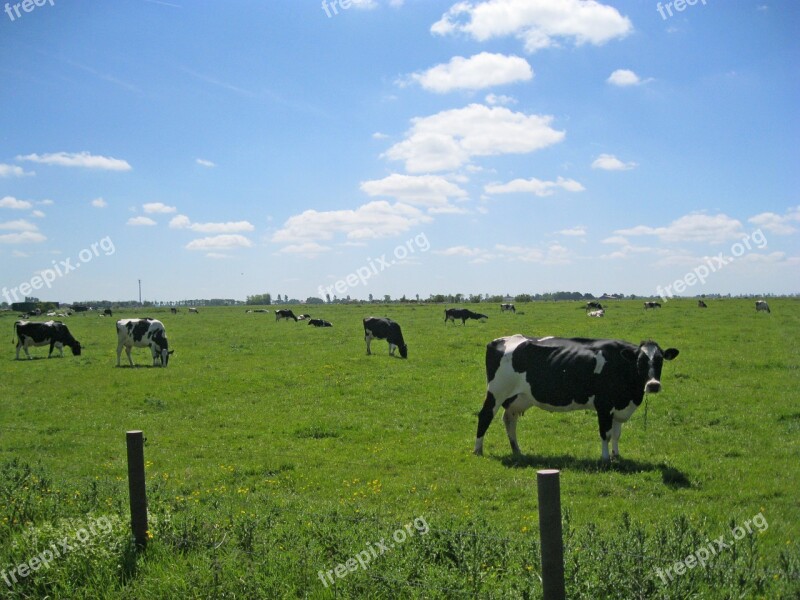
(549,337)
(600,362)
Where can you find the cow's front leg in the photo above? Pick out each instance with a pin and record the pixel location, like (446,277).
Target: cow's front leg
(485,417)
(510,421)
(368,339)
(616,432)
(605,422)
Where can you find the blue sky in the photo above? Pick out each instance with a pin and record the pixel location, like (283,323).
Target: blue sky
(412,146)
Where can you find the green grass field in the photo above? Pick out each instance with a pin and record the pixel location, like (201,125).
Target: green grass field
(278,450)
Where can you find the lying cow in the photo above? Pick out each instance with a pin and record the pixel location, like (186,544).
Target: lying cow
(143,333)
(194,310)
(593,305)
(319,323)
(284,314)
(651,305)
(597,313)
(385,329)
(52,333)
(761,305)
(560,375)
(451,314)
(303,317)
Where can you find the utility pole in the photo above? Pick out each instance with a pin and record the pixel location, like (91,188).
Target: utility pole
(140,292)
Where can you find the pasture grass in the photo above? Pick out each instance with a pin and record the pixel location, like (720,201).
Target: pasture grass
(275,450)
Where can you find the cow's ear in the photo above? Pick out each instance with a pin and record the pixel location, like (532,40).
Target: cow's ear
(670,353)
(628,354)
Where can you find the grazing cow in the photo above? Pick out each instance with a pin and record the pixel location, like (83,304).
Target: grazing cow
(54,333)
(761,305)
(174,311)
(597,313)
(143,333)
(284,314)
(560,375)
(451,314)
(319,323)
(593,305)
(194,310)
(701,304)
(107,312)
(385,329)
(651,305)
(505,307)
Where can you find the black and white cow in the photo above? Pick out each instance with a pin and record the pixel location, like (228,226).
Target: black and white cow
(761,305)
(107,312)
(284,314)
(194,310)
(52,333)
(319,323)
(560,375)
(593,305)
(505,307)
(597,313)
(701,304)
(143,333)
(173,310)
(383,328)
(651,305)
(304,317)
(451,314)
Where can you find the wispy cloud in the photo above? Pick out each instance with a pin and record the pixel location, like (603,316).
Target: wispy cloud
(7,171)
(14,204)
(609,162)
(205,163)
(78,159)
(158,208)
(141,222)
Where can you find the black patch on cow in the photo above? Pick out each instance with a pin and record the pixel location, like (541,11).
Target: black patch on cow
(138,329)
(494,353)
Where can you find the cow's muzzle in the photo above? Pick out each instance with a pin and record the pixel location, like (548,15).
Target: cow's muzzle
(653,386)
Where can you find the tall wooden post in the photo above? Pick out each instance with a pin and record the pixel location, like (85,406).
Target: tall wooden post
(549,488)
(136,487)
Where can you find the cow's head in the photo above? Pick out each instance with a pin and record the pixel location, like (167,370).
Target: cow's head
(76,348)
(403,350)
(165,356)
(649,358)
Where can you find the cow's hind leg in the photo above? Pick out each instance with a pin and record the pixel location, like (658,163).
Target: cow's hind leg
(485,417)
(510,421)
(368,339)
(604,419)
(616,432)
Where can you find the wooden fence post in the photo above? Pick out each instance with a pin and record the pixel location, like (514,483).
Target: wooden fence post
(136,487)
(549,488)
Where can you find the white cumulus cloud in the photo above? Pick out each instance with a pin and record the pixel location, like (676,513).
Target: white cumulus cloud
(474,73)
(538,23)
(449,139)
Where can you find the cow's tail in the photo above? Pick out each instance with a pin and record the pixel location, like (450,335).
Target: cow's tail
(14,334)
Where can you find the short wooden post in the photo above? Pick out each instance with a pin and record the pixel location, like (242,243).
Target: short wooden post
(136,487)
(549,488)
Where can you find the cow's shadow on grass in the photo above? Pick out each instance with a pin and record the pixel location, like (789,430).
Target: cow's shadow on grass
(670,476)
